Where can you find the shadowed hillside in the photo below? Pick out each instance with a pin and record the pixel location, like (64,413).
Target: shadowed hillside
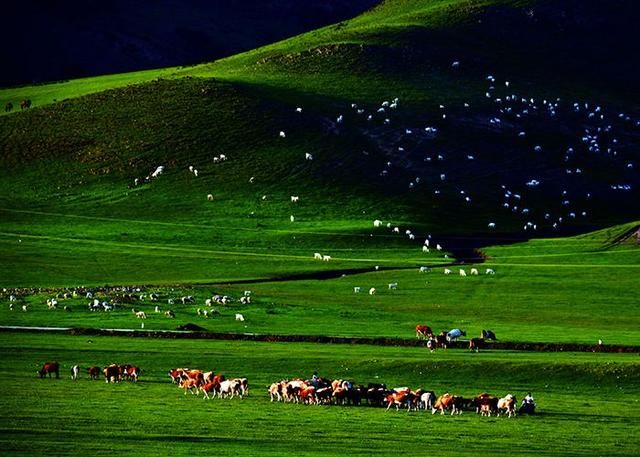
(73,39)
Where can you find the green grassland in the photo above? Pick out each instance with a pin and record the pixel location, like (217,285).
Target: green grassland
(70,216)
(586,401)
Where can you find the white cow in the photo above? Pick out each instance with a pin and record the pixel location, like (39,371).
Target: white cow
(393,285)
(424,269)
(462,272)
(75,371)
(141,315)
(372,291)
(326,258)
(425,249)
(474,271)
(447,271)
(282,134)
(490,271)
(294,198)
(210,197)
(291,218)
(308,156)
(247,293)
(317,256)
(438,247)
(356,289)
(240,317)
(245,300)
(377,223)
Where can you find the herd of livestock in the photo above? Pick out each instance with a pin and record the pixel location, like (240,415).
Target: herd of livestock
(314,391)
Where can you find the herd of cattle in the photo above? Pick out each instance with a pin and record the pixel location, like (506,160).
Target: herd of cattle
(321,391)
(113,373)
(316,391)
(209,383)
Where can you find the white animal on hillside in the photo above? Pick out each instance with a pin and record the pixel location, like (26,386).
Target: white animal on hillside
(447,271)
(356,290)
(326,258)
(317,256)
(393,285)
(294,198)
(282,134)
(210,197)
(75,371)
(377,223)
(474,271)
(425,249)
(308,156)
(291,218)
(245,300)
(240,317)
(425,269)
(298,109)
(490,271)
(158,171)
(141,315)
(438,247)
(462,272)
(372,291)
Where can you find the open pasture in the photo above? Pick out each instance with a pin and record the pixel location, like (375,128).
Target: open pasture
(579,396)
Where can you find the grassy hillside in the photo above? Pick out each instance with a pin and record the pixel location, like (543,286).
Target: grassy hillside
(85,417)
(76,207)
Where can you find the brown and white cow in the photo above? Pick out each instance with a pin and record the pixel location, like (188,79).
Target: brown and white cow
(448,402)
(485,404)
(423,332)
(48,368)
(507,404)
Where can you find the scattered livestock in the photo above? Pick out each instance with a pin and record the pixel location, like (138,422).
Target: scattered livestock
(240,317)
(75,371)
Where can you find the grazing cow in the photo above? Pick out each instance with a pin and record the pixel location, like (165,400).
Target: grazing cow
(294,199)
(275,391)
(455,334)
(112,373)
(170,314)
(210,197)
(462,272)
(75,371)
(488,335)
(446,402)
(317,256)
(48,368)
(490,271)
(427,400)
(485,404)
(94,373)
(190,385)
(442,340)
(210,388)
(308,395)
(245,300)
(372,291)
(475,344)
(131,372)
(393,285)
(141,315)
(425,269)
(423,331)
(400,398)
(507,404)
(326,258)
(447,271)
(240,317)
(474,272)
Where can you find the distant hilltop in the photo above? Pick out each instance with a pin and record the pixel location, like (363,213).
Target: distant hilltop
(54,41)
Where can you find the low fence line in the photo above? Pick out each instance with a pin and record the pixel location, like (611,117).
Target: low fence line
(373,341)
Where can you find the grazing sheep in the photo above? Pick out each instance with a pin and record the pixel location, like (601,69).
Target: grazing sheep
(240,317)
(291,218)
(474,271)
(462,272)
(294,198)
(317,256)
(326,258)
(447,271)
(282,134)
(356,290)
(393,285)
(490,271)
(372,291)
(210,197)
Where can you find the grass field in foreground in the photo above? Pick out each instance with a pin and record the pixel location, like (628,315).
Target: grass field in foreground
(587,402)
